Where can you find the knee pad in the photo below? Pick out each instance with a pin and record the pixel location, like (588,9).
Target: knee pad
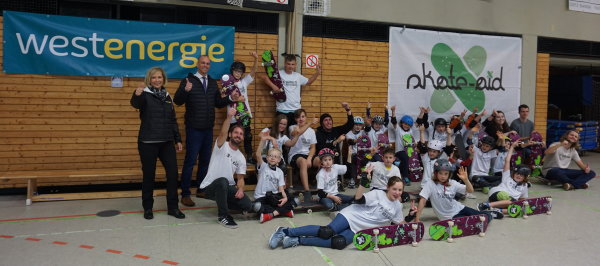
(256,206)
(502,195)
(325,232)
(338,242)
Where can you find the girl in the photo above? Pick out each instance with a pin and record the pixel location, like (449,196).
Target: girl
(327,183)
(375,208)
(302,153)
(558,157)
(442,191)
(157,138)
(278,137)
(496,122)
(511,188)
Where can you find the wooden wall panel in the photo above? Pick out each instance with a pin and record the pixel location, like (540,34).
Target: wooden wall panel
(541,93)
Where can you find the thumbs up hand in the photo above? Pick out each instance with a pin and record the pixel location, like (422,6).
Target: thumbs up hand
(188,85)
(140,89)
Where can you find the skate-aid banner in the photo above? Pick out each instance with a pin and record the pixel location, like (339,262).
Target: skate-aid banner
(451,72)
(61,45)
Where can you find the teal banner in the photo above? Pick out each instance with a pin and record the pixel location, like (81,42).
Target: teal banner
(61,45)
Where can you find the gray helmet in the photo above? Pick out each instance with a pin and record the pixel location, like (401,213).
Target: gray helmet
(443,165)
(523,170)
(378,119)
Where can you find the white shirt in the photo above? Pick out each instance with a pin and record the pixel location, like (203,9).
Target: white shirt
(373,135)
(442,198)
(327,180)
(268,180)
(354,136)
(302,146)
(482,161)
(281,140)
(427,169)
(243,86)
(224,162)
(378,210)
(499,163)
(561,158)
(399,134)
(381,174)
(511,187)
(433,134)
(292,85)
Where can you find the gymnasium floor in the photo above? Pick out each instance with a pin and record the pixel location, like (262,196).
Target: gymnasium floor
(70,233)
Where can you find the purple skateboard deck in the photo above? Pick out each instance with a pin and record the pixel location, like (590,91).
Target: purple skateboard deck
(389,236)
(517,156)
(533,206)
(537,153)
(415,168)
(363,145)
(383,142)
(459,227)
(229,87)
(268,61)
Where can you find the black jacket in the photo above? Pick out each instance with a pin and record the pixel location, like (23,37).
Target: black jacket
(200,105)
(159,122)
(325,139)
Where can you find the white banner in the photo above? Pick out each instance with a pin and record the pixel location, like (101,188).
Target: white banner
(589,6)
(451,72)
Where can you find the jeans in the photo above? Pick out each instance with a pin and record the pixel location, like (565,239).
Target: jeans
(486,180)
(572,176)
(330,205)
(466,211)
(224,194)
(308,235)
(198,146)
(165,151)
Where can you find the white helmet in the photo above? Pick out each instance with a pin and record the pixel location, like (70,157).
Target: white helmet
(435,144)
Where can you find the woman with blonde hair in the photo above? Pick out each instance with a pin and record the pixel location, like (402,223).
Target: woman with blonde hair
(558,157)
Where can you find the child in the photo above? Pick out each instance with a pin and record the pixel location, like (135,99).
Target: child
(237,70)
(292,83)
(301,154)
(482,157)
(441,193)
(351,137)
(430,153)
(279,132)
(510,189)
(327,183)
(404,136)
(505,144)
(373,209)
(270,191)
(376,126)
(382,171)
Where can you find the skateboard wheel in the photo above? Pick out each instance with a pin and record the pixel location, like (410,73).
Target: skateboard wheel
(451,223)
(376,250)
(549,199)
(376,231)
(525,216)
(549,213)
(309,211)
(414,244)
(414,226)
(481,218)
(481,234)
(450,240)
(28,202)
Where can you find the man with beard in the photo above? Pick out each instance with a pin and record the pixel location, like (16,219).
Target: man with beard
(329,136)
(224,181)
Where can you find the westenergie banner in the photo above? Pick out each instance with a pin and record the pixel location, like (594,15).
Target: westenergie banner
(451,72)
(62,45)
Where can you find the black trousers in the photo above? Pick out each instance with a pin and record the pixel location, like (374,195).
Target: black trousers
(224,194)
(149,152)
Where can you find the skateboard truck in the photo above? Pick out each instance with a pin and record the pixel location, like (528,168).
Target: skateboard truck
(549,204)
(480,226)
(376,232)
(414,235)
(524,209)
(450,225)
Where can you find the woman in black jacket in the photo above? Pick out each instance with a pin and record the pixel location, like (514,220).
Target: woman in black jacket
(158,136)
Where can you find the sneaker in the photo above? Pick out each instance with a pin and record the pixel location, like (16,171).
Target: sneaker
(495,214)
(483,206)
(290,242)
(470,196)
(228,222)
(289,214)
(585,186)
(264,217)
(567,186)
(332,215)
(407,181)
(351,184)
(277,237)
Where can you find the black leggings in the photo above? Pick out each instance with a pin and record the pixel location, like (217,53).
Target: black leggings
(165,151)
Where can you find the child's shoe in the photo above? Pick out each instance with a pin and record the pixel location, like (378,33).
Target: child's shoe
(289,214)
(264,217)
(483,206)
(495,214)
(290,242)
(277,237)
(351,184)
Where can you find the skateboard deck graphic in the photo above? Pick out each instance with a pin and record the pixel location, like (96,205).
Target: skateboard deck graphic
(415,168)
(229,87)
(537,153)
(389,236)
(533,206)
(459,227)
(363,145)
(383,142)
(268,61)
(517,156)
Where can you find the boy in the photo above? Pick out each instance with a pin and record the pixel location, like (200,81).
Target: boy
(351,137)
(327,183)
(382,171)
(482,157)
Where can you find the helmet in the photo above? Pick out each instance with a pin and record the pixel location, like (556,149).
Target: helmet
(378,119)
(407,120)
(358,120)
(440,122)
(326,152)
(488,140)
(523,170)
(237,66)
(443,165)
(435,144)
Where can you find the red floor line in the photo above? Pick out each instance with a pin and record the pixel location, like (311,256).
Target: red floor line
(114,251)
(59,243)
(33,239)
(141,256)
(92,214)
(170,262)
(86,246)
(5,236)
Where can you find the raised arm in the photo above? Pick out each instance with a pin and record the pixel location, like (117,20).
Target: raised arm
(255,65)
(315,75)
(264,137)
(299,131)
(225,128)
(508,155)
(365,179)
(270,84)
(462,174)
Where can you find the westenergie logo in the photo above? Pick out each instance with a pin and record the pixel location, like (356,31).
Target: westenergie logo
(112,48)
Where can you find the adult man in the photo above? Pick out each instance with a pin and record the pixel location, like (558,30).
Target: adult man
(522,125)
(200,94)
(329,136)
(226,162)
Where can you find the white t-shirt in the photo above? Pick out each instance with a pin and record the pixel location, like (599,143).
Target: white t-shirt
(398,137)
(427,169)
(381,174)
(303,144)
(243,86)
(561,158)
(373,135)
(511,187)
(281,140)
(327,180)
(268,180)
(292,85)
(433,134)
(354,136)
(378,210)
(224,162)
(482,161)
(499,163)
(442,198)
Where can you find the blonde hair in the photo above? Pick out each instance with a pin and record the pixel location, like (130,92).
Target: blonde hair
(273,150)
(151,73)
(565,137)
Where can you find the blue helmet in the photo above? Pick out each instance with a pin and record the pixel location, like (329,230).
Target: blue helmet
(358,120)
(407,120)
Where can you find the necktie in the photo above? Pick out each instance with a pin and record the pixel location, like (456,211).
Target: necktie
(204,83)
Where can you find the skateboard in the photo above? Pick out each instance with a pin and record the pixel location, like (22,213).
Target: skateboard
(459,227)
(307,204)
(268,61)
(415,168)
(533,206)
(517,156)
(537,153)
(383,142)
(363,147)
(229,86)
(389,236)
(460,147)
